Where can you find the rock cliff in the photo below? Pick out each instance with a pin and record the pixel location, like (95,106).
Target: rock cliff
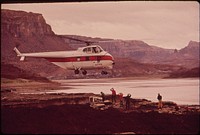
(23,24)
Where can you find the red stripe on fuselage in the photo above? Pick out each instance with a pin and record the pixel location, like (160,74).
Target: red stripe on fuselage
(78,59)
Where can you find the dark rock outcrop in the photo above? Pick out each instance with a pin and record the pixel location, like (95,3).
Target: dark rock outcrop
(71,114)
(184,73)
(11,72)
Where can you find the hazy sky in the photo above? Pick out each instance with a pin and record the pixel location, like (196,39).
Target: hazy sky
(167,24)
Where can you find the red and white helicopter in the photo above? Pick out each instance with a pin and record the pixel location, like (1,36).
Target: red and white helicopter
(82,59)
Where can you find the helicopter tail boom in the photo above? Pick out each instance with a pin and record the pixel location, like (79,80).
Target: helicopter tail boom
(19,54)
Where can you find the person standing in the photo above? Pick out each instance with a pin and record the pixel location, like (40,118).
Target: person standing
(103,96)
(121,99)
(113,95)
(128,101)
(159,97)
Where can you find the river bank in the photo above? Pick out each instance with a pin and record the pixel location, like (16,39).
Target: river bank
(72,114)
(28,108)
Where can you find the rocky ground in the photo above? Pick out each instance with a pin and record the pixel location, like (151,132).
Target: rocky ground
(29,113)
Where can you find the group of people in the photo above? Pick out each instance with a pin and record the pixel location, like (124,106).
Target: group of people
(114,95)
(127,99)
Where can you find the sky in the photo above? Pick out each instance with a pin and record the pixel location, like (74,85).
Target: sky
(166,24)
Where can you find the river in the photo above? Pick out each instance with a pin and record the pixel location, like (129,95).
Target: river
(180,91)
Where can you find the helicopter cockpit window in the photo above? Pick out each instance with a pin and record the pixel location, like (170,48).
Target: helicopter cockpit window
(88,50)
(92,50)
(85,50)
(96,50)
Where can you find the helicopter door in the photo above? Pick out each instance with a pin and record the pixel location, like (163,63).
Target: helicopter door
(97,61)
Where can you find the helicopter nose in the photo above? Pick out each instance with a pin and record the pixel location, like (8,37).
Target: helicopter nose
(110,57)
(113,62)
(108,54)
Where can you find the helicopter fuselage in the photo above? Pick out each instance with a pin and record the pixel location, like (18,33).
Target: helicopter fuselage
(84,58)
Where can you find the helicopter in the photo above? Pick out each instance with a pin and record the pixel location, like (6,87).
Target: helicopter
(84,58)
